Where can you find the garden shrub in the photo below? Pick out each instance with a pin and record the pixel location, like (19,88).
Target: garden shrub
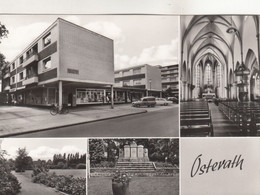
(103,164)
(67,184)
(9,184)
(81,166)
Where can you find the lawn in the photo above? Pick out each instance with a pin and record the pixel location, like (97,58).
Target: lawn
(74,172)
(138,185)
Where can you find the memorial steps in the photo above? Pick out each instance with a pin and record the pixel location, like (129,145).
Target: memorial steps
(136,166)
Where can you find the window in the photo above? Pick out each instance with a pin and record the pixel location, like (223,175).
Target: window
(125,72)
(21,75)
(137,82)
(47,39)
(13,66)
(13,79)
(126,83)
(21,60)
(137,70)
(47,63)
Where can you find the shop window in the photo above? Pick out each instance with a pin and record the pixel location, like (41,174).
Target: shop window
(47,39)
(21,75)
(47,63)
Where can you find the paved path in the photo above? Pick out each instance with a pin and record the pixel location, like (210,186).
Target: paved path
(30,188)
(221,125)
(15,120)
(157,122)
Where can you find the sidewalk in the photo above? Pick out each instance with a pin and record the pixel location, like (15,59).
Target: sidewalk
(17,120)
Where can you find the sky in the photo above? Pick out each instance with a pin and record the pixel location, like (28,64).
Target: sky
(138,39)
(44,148)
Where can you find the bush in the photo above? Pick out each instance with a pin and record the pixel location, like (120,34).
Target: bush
(8,182)
(81,166)
(104,164)
(67,184)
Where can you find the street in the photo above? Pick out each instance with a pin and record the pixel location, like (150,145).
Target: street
(155,123)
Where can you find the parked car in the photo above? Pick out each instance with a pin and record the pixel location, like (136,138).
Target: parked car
(173,99)
(162,101)
(145,101)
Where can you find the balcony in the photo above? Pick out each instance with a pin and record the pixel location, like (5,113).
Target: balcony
(31,80)
(7,75)
(30,60)
(7,88)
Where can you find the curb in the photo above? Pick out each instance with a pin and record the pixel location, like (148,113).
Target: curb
(67,125)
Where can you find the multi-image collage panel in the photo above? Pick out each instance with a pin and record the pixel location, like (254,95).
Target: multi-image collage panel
(101,104)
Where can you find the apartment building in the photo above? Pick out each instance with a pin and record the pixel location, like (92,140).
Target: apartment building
(170,78)
(138,81)
(65,64)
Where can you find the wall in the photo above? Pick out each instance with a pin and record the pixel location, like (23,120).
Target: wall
(85,52)
(153,73)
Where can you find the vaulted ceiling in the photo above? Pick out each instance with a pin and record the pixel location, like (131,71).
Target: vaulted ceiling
(206,37)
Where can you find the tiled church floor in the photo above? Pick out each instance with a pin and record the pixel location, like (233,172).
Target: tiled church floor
(221,125)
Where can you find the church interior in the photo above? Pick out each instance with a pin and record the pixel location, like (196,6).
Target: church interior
(219,75)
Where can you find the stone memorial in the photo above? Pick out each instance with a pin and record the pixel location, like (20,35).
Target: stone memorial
(133,153)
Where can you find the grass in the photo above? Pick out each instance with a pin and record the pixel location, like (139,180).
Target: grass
(138,185)
(74,172)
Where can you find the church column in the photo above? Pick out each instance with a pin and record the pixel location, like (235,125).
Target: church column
(184,84)
(249,88)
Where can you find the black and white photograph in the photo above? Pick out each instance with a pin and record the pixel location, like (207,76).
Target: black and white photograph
(220,84)
(89,75)
(133,166)
(43,166)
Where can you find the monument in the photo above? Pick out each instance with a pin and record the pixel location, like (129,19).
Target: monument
(133,153)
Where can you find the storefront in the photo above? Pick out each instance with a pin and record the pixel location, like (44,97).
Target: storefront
(90,96)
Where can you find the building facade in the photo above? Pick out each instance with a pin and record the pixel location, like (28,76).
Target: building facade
(65,64)
(136,82)
(170,79)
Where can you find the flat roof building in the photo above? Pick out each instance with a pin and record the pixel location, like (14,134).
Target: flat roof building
(170,79)
(65,64)
(138,81)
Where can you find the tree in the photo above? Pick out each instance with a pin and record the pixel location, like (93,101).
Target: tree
(3,31)
(96,150)
(22,161)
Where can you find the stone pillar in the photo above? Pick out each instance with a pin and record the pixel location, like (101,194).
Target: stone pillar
(127,152)
(112,97)
(60,94)
(147,93)
(146,158)
(235,89)
(160,94)
(140,152)
(184,84)
(133,148)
